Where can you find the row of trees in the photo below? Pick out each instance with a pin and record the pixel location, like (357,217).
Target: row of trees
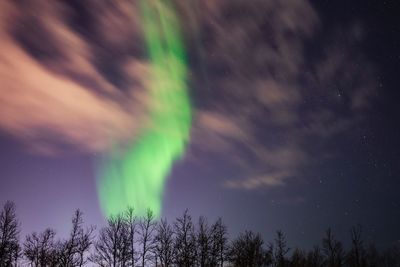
(130,241)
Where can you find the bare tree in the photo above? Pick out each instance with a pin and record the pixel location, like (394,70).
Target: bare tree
(127,240)
(298,259)
(204,244)
(164,243)
(67,248)
(85,242)
(9,231)
(39,249)
(131,220)
(315,258)
(111,248)
(281,249)
(372,256)
(72,252)
(219,235)
(391,257)
(147,227)
(247,251)
(333,250)
(356,256)
(185,241)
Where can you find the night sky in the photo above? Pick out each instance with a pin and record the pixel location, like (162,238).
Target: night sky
(295,112)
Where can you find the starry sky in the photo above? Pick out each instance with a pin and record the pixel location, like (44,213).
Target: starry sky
(295,112)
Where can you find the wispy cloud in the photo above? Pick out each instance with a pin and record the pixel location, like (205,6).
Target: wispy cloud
(280,87)
(273,85)
(52,87)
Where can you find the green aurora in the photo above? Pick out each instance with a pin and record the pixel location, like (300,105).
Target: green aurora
(135,176)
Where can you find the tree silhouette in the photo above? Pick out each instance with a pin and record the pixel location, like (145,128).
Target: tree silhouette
(391,257)
(247,251)
(185,241)
(372,256)
(164,243)
(9,231)
(219,241)
(204,244)
(147,227)
(127,239)
(112,246)
(299,258)
(280,250)
(315,258)
(40,249)
(131,220)
(72,252)
(333,250)
(356,256)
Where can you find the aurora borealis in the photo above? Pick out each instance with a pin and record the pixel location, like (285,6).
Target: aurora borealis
(135,176)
